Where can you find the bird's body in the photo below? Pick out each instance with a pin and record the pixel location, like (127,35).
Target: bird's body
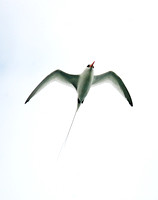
(82,83)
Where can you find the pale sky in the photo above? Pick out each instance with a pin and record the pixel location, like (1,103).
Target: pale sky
(112,150)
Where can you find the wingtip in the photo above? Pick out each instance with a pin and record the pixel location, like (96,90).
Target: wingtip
(26,101)
(131,103)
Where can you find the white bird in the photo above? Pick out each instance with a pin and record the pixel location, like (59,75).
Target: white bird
(82,83)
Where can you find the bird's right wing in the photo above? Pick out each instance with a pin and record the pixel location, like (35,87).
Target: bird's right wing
(56,75)
(116,80)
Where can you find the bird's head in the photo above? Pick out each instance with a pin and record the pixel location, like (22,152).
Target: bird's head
(91,66)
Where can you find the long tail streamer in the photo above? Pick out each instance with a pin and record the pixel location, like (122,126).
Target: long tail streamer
(64,143)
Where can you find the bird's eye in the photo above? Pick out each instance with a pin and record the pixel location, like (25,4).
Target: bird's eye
(88,65)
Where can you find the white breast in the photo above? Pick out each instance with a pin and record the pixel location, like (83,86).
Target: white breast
(85,82)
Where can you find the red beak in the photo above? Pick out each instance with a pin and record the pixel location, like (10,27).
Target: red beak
(92,64)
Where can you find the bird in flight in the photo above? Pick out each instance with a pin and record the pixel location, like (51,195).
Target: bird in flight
(82,83)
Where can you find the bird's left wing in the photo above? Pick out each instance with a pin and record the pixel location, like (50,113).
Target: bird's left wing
(56,75)
(116,80)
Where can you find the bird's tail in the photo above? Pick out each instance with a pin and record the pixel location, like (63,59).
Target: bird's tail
(64,143)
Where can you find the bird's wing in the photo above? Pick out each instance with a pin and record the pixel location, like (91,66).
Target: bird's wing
(56,75)
(116,80)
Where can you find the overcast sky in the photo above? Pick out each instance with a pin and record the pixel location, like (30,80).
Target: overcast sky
(112,150)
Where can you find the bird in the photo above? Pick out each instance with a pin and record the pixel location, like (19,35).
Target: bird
(82,83)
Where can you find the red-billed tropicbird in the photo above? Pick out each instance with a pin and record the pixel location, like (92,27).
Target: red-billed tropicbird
(82,83)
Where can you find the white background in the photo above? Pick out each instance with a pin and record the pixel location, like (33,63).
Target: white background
(112,151)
